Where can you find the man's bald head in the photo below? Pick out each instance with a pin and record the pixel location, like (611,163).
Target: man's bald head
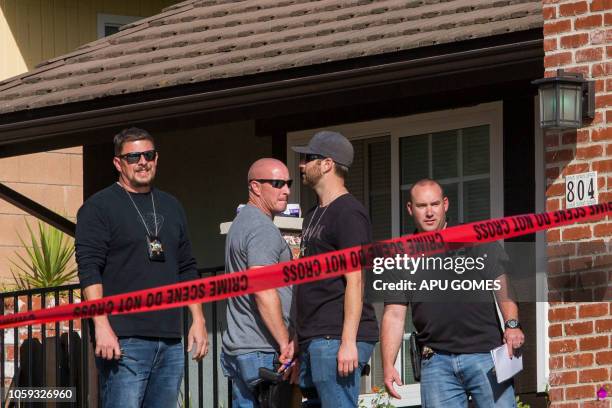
(264,192)
(268,168)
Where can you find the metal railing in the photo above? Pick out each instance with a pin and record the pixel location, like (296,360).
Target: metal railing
(44,355)
(60,354)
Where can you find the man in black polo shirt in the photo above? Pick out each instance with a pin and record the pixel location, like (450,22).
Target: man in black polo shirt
(458,336)
(336,330)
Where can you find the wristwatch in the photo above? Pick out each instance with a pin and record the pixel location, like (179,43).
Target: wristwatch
(512,324)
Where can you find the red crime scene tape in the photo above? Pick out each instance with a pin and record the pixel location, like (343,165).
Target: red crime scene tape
(307,269)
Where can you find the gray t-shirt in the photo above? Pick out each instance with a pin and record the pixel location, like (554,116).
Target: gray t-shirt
(252,240)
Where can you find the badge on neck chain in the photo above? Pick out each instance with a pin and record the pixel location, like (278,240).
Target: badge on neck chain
(154,245)
(155,248)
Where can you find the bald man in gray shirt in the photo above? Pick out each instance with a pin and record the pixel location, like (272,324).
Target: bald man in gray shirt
(258,325)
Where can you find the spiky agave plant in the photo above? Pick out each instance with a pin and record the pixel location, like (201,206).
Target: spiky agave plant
(48,260)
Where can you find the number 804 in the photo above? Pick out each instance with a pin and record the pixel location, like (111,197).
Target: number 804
(579,192)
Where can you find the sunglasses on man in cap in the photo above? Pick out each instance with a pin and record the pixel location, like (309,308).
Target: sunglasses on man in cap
(327,144)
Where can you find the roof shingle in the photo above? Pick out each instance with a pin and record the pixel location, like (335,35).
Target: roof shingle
(201,40)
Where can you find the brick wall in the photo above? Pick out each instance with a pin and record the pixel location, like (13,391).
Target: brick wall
(578,38)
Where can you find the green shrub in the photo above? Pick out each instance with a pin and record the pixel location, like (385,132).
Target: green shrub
(47,262)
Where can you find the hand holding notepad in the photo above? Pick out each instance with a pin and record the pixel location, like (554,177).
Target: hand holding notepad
(505,366)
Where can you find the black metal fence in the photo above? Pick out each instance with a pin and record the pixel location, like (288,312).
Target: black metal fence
(60,354)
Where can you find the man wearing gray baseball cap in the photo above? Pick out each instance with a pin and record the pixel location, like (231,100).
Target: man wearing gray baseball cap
(336,330)
(329,144)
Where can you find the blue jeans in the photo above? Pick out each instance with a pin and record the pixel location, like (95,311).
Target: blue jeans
(448,379)
(148,374)
(243,369)
(319,369)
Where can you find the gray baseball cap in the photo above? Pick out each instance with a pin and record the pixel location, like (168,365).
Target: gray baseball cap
(329,144)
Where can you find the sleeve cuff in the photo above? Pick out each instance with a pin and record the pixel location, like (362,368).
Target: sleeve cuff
(89,279)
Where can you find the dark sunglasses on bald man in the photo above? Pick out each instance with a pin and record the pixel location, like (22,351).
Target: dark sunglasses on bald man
(274,183)
(134,157)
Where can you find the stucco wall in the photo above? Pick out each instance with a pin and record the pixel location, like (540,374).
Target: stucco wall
(53,179)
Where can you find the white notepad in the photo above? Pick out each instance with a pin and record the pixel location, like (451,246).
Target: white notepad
(505,367)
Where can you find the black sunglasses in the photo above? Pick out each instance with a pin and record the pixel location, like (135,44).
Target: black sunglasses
(133,158)
(307,158)
(274,183)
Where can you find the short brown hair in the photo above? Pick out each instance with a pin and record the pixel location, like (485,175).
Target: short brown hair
(341,170)
(131,134)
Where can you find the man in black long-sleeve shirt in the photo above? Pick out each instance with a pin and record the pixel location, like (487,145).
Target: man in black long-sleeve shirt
(131,236)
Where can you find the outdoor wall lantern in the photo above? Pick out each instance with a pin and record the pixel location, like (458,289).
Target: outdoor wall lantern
(565,100)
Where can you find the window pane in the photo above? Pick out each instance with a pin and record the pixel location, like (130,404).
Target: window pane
(308,198)
(570,100)
(406,219)
(444,154)
(414,158)
(475,150)
(476,199)
(548,104)
(452,192)
(355,181)
(379,159)
(110,30)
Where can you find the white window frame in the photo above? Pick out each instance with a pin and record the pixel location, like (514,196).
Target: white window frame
(542,340)
(113,19)
(490,114)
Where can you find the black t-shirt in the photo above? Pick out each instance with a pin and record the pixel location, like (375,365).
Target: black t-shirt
(344,223)
(112,249)
(459,326)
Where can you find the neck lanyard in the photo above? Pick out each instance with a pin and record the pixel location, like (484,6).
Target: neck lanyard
(140,214)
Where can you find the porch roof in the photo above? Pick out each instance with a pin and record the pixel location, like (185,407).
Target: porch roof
(203,40)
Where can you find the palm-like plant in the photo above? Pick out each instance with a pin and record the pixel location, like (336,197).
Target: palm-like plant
(48,259)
